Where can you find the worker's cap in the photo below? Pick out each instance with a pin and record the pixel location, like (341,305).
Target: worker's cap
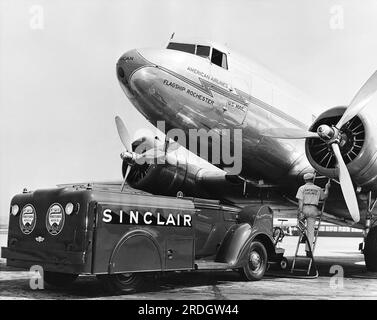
(308,176)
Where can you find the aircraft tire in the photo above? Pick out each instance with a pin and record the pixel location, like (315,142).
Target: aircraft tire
(370,250)
(257,262)
(59,279)
(122,282)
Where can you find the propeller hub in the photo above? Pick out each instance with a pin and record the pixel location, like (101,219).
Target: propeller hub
(326,132)
(129,157)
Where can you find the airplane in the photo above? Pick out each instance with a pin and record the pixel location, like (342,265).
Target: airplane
(199,84)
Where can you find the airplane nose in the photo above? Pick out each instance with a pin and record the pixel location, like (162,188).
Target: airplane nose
(127,64)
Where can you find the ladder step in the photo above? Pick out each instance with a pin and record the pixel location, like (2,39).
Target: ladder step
(306,270)
(321,177)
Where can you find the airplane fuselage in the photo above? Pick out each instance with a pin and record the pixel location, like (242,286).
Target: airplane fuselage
(188,91)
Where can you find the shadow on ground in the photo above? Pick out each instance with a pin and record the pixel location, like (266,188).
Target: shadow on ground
(89,287)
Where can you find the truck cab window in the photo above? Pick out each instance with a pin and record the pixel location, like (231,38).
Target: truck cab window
(203,51)
(189,48)
(219,58)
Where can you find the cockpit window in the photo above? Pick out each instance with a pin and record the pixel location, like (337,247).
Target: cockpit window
(190,48)
(203,51)
(219,58)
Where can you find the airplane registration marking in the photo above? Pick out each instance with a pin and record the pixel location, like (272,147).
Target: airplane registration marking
(236,106)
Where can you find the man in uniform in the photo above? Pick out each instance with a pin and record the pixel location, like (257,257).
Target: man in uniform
(308,197)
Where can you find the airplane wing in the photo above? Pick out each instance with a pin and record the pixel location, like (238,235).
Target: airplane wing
(101,185)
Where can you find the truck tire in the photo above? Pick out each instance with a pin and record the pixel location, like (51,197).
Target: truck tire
(59,279)
(257,261)
(370,250)
(122,282)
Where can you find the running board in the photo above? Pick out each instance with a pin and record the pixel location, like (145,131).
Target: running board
(211,265)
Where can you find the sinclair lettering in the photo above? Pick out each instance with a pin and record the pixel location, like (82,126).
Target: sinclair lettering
(135,217)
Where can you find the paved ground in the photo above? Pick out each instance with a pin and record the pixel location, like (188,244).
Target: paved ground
(356,284)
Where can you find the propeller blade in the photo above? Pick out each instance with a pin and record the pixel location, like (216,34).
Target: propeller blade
(346,185)
(125,178)
(289,133)
(361,99)
(123,134)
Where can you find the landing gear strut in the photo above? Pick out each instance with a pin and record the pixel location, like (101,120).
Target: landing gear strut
(370,250)
(370,241)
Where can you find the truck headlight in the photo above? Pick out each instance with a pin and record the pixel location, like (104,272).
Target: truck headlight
(69,207)
(14,209)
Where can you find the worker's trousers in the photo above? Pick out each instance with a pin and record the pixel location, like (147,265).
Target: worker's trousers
(310,213)
(310,223)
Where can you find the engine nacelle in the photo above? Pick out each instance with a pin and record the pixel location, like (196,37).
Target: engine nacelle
(173,173)
(179,175)
(164,179)
(358,148)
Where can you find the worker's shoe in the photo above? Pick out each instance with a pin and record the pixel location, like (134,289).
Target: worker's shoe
(309,254)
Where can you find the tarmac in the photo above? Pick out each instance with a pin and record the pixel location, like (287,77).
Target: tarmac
(342,275)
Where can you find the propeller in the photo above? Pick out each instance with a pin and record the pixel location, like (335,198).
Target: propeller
(131,157)
(123,134)
(361,99)
(289,133)
(346,185)
(333,136)
(126,141)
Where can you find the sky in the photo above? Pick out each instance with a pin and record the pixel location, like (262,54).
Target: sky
(59,93)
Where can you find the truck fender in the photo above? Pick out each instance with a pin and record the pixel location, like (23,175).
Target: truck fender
(256,226)
(136,251)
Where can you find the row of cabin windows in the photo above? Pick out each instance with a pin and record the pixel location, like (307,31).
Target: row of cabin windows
(217,57)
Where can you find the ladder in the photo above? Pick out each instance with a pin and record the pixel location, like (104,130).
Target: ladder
(303,239)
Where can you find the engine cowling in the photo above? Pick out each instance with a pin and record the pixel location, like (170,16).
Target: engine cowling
(358,148)
(164,179)
(177,174)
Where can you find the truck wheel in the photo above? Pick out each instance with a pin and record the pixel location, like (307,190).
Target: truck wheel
(122,282)
(370,250)
(59,279)
(257,262)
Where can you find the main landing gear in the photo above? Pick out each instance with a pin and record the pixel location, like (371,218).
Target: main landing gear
(370,242)
(370,250)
